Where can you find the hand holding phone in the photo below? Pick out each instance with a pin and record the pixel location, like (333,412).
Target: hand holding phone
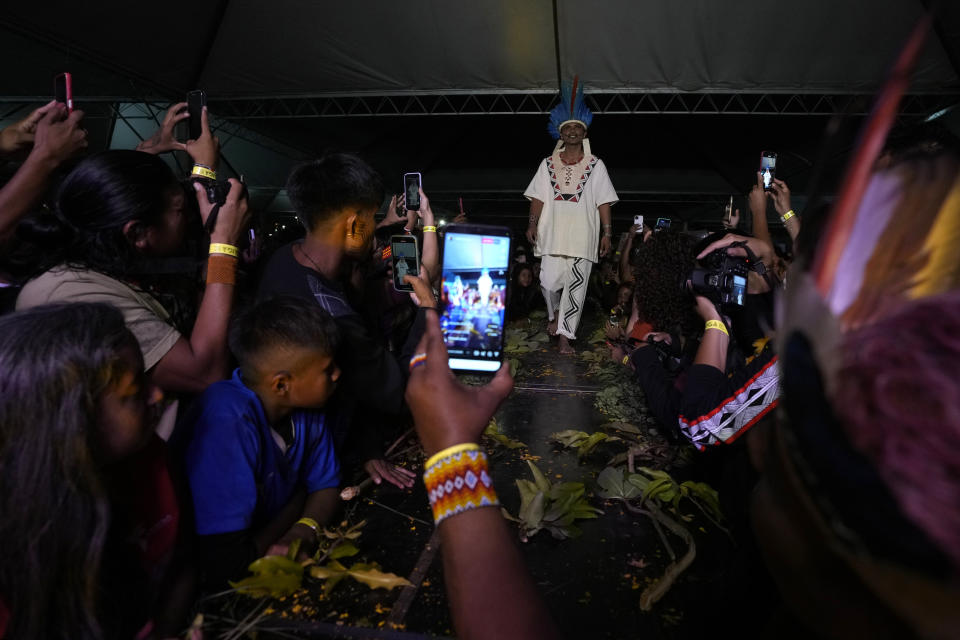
(405,259)
(638,222)
(196,101)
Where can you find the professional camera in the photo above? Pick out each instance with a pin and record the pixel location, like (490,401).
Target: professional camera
(721,278)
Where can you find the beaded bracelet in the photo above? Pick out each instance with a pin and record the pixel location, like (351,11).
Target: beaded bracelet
(457,480)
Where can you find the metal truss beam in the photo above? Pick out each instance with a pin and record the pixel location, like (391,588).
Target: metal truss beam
(622,103)
(540,102)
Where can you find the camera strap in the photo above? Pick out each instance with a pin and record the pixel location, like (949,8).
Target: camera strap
(212,219)
(756,265)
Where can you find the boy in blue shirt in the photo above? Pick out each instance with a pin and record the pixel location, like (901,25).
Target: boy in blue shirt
(261,462)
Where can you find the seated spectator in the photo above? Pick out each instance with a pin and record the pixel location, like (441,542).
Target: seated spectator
(525,296)
(260,462)
(335,198)
(90,516)
(115,212)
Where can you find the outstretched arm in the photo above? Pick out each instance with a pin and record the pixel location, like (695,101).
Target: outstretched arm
(490,590)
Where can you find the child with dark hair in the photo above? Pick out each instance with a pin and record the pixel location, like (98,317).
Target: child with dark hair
(336,197)
(261,462)
(90,519)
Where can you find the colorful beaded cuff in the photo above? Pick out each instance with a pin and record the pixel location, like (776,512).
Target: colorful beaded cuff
(459,482)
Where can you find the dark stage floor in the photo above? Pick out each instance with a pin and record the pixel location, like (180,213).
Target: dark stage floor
(592,583)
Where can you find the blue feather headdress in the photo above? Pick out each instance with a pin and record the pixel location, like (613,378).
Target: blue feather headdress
(572,108)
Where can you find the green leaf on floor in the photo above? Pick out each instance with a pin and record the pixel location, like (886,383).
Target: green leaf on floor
(554,507)
(495,433)
(582,441)
(273,576)
(367,573)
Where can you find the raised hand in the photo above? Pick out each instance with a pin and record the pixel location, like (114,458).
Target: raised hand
(204,150)
(19,136)
(445,411)
(164,139)
(780,194)
(58,135)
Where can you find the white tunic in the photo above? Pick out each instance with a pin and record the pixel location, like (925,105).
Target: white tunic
(571,196)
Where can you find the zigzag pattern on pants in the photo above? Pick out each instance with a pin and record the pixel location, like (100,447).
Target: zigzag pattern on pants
(576,284)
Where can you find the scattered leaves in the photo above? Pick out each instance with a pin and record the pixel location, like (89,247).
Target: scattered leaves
(554,507)
(581,440)
(495,433)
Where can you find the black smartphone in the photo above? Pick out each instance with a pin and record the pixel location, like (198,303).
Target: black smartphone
(768,168)
(663,223)
(196,101)
(473,295)
(63,90)
(411,189)
(405,257)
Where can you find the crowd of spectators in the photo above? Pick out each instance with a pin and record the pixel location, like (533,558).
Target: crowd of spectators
(168,414)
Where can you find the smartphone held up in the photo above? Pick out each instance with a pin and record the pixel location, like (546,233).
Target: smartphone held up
(196,101)
(412,183)
(405,260)
(63,90)
(768,168)
(473,297)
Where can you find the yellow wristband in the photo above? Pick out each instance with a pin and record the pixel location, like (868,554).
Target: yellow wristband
(203,172)
(429,229)
(716,324)
(625,360)
(310,522)
(226,249)
(449,451)
(787,216)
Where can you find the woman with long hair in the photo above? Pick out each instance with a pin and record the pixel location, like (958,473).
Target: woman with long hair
(76,416)
(113,214)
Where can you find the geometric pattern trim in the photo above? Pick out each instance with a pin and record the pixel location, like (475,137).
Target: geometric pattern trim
(555,183)
(578,281)
(458,483)
(738,413)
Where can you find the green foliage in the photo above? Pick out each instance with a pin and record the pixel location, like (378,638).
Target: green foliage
(581,440)
(367,573)
(553,507)
(658,486)
(273,576)
(622,401)
(524,340)
(495,433)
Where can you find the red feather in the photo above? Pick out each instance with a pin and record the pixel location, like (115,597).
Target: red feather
(872,139)
(573,95)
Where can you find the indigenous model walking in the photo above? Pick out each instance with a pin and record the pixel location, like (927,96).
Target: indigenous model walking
(570,196)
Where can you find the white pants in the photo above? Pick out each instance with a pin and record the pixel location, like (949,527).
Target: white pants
(564,283)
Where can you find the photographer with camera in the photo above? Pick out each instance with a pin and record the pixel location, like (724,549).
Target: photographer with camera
(692,378)
(114,213)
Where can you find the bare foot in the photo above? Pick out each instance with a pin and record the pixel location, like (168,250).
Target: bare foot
(565,347)
(552,326)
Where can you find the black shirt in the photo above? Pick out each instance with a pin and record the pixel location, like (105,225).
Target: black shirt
(372,380)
